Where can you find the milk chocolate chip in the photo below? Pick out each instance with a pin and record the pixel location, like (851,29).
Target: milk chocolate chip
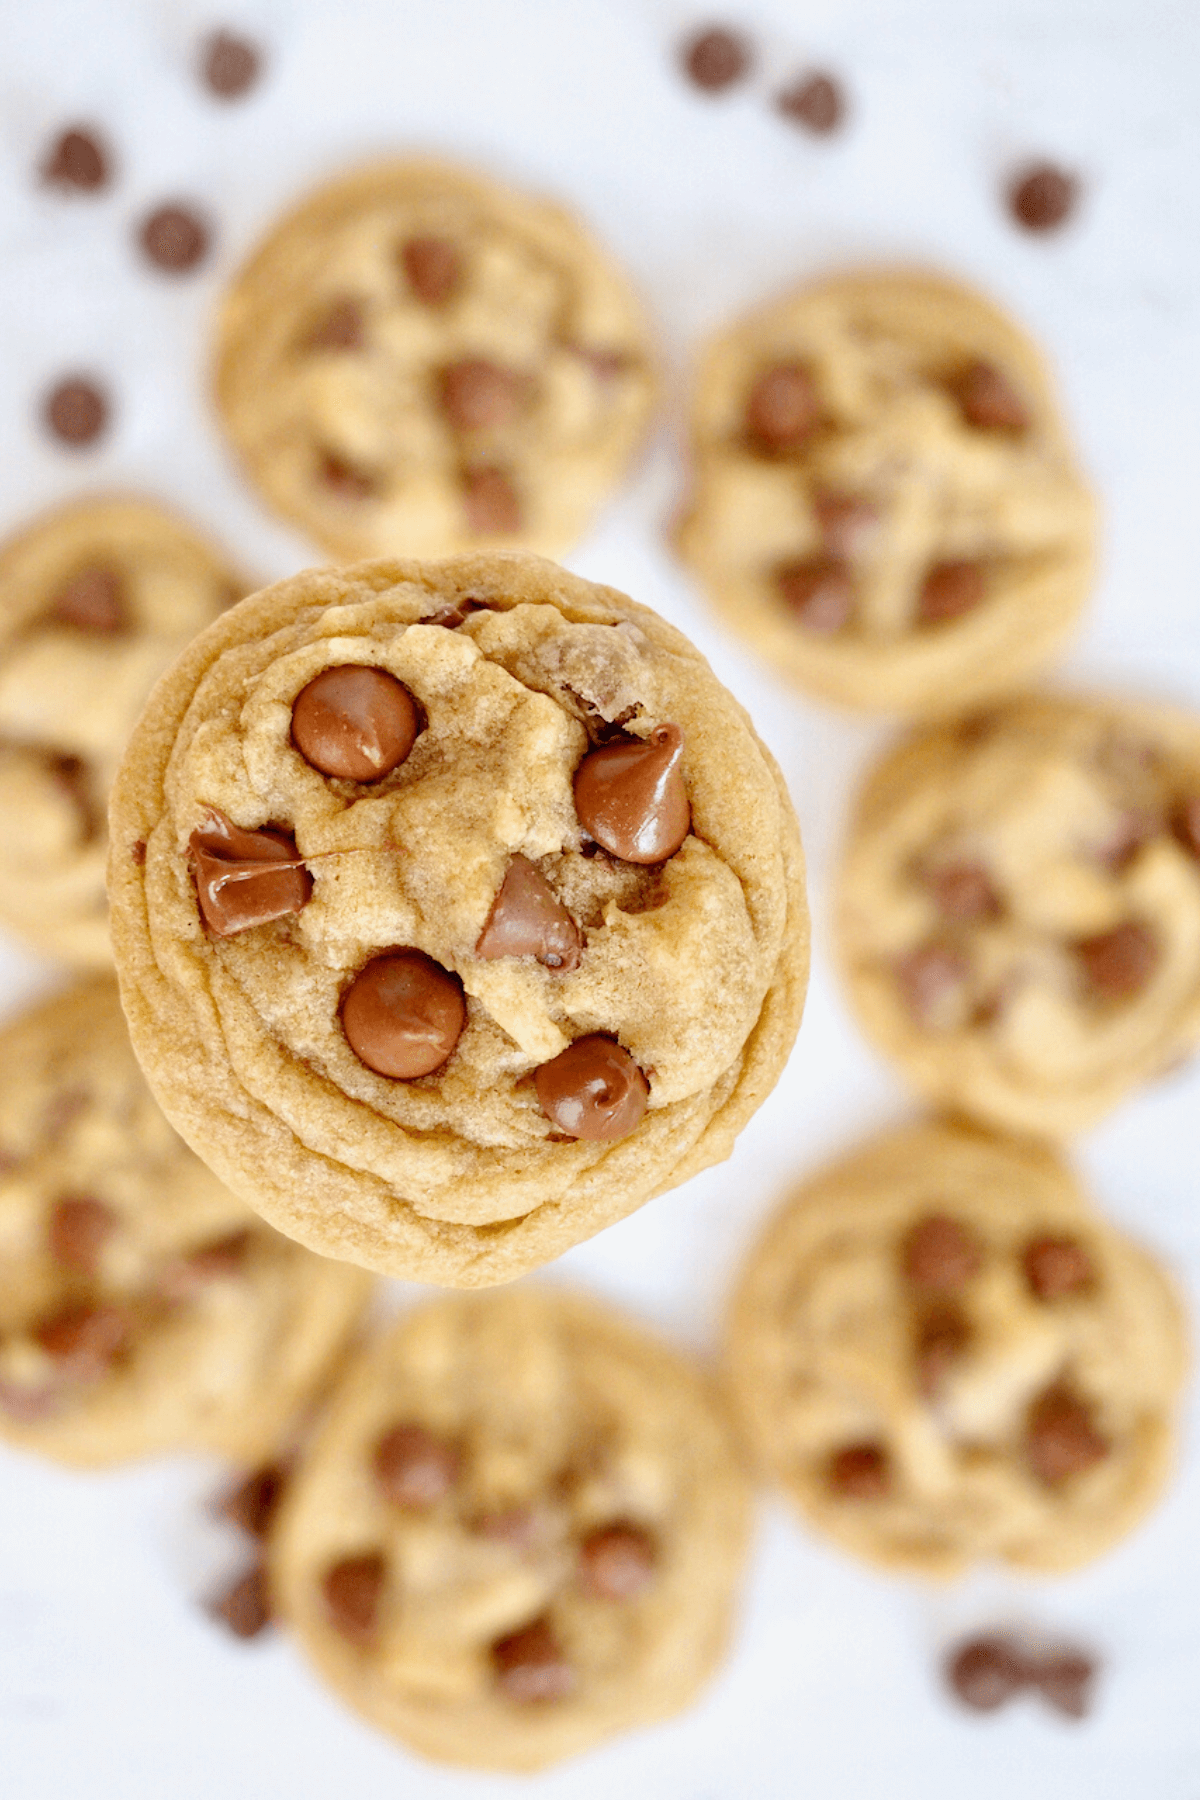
(986,1672)
(186,1276)
(174,239)
(530,1666)
(860,1472)
(245,1607)
(76,411)
(92,600)
(942,1337)
(79,1228)
(988,399)
(593,1090)
(963,892)
(413,1468)
(77,160)
(229,66)
(477,395)
(1043,197)
(1065,1678)
(631,798)
(403,1014)
(246,878)
(341,328)
(1060,1439)
(820,592)
(814,101)
(616,1562)
(783,408)
(849,523)
(433,267)
(491,502)
(351,1590)
(950,589)
(355,722)
(940,1255)
(252,1504)
(1119,963)
(1055,1266)
(933,980)
(715,59)
(85,1340)
(528,919)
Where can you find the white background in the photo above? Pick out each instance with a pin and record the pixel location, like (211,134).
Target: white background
(112,1683)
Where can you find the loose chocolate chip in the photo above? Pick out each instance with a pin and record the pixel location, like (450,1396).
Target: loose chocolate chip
(849,523)
(352,1590)
(631,797)
(1065,1678)
(343,480)
(820,593)
(174,239)
(1060,1439)
(341,328)
(186,1276)
(1185,823)
(528,919)
(1119,963)
(1042,197)
(783,409)
(932,981)
(815,101)
(246,878)
(963,892)
(988,399)
(252,1503)
(413,1468)
(79,1228)
(715,59)
(76,411)
(491,503)
(1055,1266)
(93,600)
(403,1014)
(355,722)
(940,1255)
(859,1472)
(85,1340)
(245,1607)
(986,1672)
(77,160)
(616,1562)
(433,267)
(942,1337)
(477,395)
(530,1666)
(949,590)
(229,66)
(593,1090)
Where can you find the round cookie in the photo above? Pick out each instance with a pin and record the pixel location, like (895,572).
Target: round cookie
(143,1307)
(884,500)
(419,361)
(944,1355)
(1019,907)
(520,1529)
(453,1020)
(96,599)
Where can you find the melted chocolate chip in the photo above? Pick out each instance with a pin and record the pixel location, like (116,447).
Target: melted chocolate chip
(530,1666)
(85,1340)
(352,1590)
(78,1229)
(252,1504)
(342,479)
(815,101)
(859,1472)
(403,1014)
(520,1527)
(477,395)
(986,1672)
(92,600)
(942,1337)
(933,980)
(341,328)
(783,409)
(988,399)
(246,878)
(1065,1678)
(528,919)
(77,161)
(1119,963)
(229,66)
(433,267)
(1060,1439)
(616,1562)
(963,892)
(631,797)
(174,238)
(223,1260)
(414,1469)
(491,503)
(1042,197)
(715,59)
(849,523)
(245,1607)
(355,722)
(940,1255)
(70,776)
(1056,1266)
(76,411)
(819,592)
(950,590)
(593,1090)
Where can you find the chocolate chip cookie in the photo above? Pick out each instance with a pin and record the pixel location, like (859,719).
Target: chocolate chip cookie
(519,1530)
(418,361)
(1019,911)
(95,600)
(458,910)
(944,1355)
(143,1307)
(884,500)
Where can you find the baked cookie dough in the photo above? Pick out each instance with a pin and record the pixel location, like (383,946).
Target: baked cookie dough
(458,910)
(1019,907)
(884,500)
(95,600)
(520,1529)
(419,361)
(944,1355)
(143,1308)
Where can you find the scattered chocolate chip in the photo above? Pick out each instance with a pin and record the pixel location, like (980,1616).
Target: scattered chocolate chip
(77,160)
(76,411)
(942,1337)
(93,600)
(229,66)
(616,1562)
(1119,963)
(341,328)
(355,722)
(1066,1679)
(491,503)
(783,409)
(963,892)
(1185,823)
(1042,197)
(1060,1439)
(403,1014)
(848,523)
(940,1255)
(815,101)
(413,1468)
(988,399)
(986,1672)
(715,59)
(933,981)
(477,395)
(246,878)
(342,478)
(859,1472)
(433,267)
(186,1276)
(593,1090)
(245,1607)
(352,1590)
(819,593)
(251,1504)
(85,1340)
(174,239)
(79,1227)
(530,1666)
(949,590)
(630,797)
(1055,1266)
(528,919)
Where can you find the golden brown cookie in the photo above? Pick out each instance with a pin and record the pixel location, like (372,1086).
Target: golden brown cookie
(520,1530)
(1019,909)
(95,600)
(884,500)
(458,910)
(944,1355)
(143,1307)
(418,361)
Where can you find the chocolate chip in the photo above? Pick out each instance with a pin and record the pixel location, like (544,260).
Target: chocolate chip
(963,892)
(433,267)
(93,600)
(174,239)
(520,1527)
(820,593)
(985,1672)
(245,1607)
(1119,963)
(246,878)
(355,722)
(413,1468)
(859,1472)
(593,1090)
(137,853)
(477,395)
(1134,829)
(849,523)
(491,503)
(1060,1439)
(76,411)
(85,1340)
(815,101)
(949,590)
(616,1562)
(352,1590)
(451,617)
(403,1014)
(1185,823)
(940,1255)
(942,1337)
(229,66)
(253,1502)
(79,1227)
(933,982)
(343,479)
(783,409)
(528,919)
(186,1276)
(1055,1266)
(70,775)
(1042,197)
(988,399)
(341,328)
(631,797)
(1066,1679)
(530,1666)
(77,160)
(715,59)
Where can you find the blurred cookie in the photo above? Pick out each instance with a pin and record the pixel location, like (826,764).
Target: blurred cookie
(142,1307)
(519,1530)
(884,500)
(95,600)
(1019,911)
(418,361)
(458,909)
(944,1355)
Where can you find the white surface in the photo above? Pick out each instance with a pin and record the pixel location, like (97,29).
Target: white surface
(111,1681)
